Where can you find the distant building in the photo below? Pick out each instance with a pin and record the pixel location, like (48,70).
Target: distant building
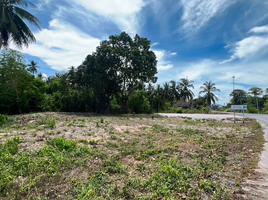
(185,105)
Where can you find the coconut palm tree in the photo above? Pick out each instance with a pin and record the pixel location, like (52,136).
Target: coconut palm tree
(33,66)
(184,89)
(208,88)
(256,92)
(12,25)
(173,90)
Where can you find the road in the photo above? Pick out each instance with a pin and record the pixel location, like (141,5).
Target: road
(260,117)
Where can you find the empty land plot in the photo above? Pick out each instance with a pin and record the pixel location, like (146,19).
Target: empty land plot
(78,156)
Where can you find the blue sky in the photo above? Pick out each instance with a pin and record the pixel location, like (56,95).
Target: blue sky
(204,40)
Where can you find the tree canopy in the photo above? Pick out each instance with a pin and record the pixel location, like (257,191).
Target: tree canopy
(12,26)
(208,88)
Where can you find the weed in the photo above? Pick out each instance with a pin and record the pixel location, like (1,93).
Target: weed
(93,142)
(159,129)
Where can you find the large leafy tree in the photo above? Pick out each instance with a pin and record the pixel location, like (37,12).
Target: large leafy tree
(119,65)
(33,66)
(185,92)
(208,88)
(12,25)
(239,96)
(255,91)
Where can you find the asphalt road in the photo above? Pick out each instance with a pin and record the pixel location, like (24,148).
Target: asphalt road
(260,117)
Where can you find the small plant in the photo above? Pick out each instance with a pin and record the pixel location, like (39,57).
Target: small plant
(102,120)
(140,167)
(93,142)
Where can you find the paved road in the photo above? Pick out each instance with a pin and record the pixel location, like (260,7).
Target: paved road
(261,117)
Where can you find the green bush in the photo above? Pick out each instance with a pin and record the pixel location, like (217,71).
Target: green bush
(227,110)
(3,120)
(251,109)
(205,110)
(179,110)
(139,103)
(62,144)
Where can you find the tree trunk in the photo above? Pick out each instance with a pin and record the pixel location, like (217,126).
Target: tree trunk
(1,40)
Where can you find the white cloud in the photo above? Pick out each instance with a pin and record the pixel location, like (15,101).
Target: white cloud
(247,75)
(260,29)
(62,45)
(250,47)
(122,13)
(197,13)
(196,71)
(162,57)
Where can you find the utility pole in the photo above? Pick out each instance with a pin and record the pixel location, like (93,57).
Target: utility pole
(233,96)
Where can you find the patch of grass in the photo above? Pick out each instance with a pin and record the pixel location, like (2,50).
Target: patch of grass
(49,123)
(190,132)
(93,142)
(159,129)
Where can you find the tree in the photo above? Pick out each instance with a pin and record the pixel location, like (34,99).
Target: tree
(185,93)
(208,88)
(239,96)
(256,92)
(119,64)
(20,91)
(33,66)
(158,96)
(12,24)
(173,91)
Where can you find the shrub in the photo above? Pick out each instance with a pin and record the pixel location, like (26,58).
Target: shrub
(179,110)
(138,103)
(3,120)
(205,110)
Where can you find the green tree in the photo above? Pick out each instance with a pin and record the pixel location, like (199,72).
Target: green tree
(139,102)
(158,96)
(12,24)
(208,88)
(33,66)
(120,64)
(184,89)
(239,97)
(20,91)
(174,91)
(255,91)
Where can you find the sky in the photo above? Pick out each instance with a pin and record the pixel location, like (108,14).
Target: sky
(202,40)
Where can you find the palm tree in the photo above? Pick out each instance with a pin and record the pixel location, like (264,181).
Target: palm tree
(166,91)
(40,75)
(173,91)
(12,24)
(185,93)
(158,95)
(33,66)
(208,88)
(256,92)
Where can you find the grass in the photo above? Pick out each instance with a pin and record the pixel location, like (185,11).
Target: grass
(169,159)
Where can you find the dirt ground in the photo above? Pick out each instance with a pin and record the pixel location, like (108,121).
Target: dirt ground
(186,136)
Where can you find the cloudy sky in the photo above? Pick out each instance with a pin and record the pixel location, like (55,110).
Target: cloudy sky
(204,40)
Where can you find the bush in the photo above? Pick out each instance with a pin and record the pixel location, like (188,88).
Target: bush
(138,103)
(251,109)
(179,110)
(3,120)
(205,110)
